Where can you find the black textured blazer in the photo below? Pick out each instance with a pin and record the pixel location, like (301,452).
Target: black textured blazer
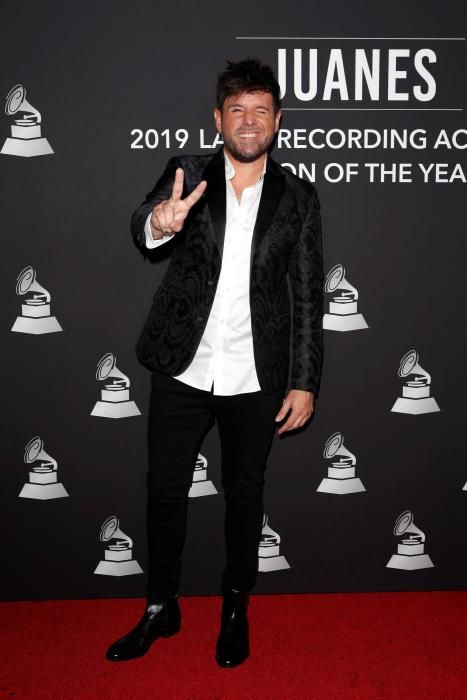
(286,244)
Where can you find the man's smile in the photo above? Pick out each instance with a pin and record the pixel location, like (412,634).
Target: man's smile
(248,134)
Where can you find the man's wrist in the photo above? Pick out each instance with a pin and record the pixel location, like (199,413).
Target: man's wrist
(299,388)
(151,241)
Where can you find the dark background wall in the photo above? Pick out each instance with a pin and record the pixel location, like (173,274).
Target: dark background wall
(98,71)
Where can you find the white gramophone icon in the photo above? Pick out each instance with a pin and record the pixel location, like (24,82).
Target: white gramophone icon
(115,396)
(118,556)
(201,486)
(343,315)
(411,550)
(269,557)
(341,477)
(43,483)
(416,397)
(35,311)
(26,139)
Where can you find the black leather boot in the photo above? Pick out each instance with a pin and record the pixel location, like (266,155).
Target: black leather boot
(233,645)
(163,623)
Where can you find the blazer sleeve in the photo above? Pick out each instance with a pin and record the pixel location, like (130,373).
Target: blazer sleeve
(307,281)
(161,190)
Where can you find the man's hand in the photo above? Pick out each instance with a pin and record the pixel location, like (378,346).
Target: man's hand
(302,405)
(169,216)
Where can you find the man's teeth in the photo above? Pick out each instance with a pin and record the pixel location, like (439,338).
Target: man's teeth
(247,136)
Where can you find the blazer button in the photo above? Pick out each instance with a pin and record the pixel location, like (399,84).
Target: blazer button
(199,319)
(210,283)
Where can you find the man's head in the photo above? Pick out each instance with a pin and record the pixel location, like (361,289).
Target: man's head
(247,112)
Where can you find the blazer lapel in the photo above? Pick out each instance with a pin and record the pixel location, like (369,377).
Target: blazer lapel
(214,174)
(271,195)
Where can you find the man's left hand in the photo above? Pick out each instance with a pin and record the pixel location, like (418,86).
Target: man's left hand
(302,405)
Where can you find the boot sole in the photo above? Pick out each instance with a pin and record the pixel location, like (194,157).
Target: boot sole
(162,634)
(223,664)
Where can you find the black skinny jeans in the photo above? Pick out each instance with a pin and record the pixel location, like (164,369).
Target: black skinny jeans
(179,418)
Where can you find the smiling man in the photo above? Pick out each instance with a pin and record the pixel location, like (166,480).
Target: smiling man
(244,237)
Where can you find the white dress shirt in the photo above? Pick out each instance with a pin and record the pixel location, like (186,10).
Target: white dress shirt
(225,352)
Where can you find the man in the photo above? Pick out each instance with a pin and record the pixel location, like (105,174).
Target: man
(217,339)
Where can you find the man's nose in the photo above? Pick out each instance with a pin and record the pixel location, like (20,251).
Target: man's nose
(249,117)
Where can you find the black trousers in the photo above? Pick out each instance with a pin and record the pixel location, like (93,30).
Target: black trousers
(179,418)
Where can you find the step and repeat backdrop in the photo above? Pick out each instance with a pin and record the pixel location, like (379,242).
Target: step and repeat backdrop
(372,494)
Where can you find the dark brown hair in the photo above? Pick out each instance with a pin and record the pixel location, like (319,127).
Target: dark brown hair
(249,75)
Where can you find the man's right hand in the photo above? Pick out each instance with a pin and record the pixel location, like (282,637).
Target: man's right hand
(169,216)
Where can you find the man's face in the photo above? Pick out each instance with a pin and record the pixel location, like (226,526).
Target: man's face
(247,124)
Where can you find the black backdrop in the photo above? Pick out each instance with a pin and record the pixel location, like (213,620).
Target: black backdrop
(98,71)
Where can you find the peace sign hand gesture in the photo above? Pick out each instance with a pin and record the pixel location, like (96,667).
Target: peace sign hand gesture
(169,216)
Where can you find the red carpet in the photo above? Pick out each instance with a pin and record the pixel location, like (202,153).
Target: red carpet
(321,647)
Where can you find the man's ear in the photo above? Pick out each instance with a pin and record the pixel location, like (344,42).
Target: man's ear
(218,119)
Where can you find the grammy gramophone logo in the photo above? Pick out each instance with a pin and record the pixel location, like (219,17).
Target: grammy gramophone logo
(415,397)
(201,486)
(35,310)
(115,396)
(26,139)
(269,556)
(411,549)
(43,483)
(118,555)
(341,477)
(343,314)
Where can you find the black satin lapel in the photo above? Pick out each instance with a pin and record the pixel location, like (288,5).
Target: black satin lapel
(271,195)
(214,174)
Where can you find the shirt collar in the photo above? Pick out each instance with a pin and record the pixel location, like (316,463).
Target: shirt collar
(230,170)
